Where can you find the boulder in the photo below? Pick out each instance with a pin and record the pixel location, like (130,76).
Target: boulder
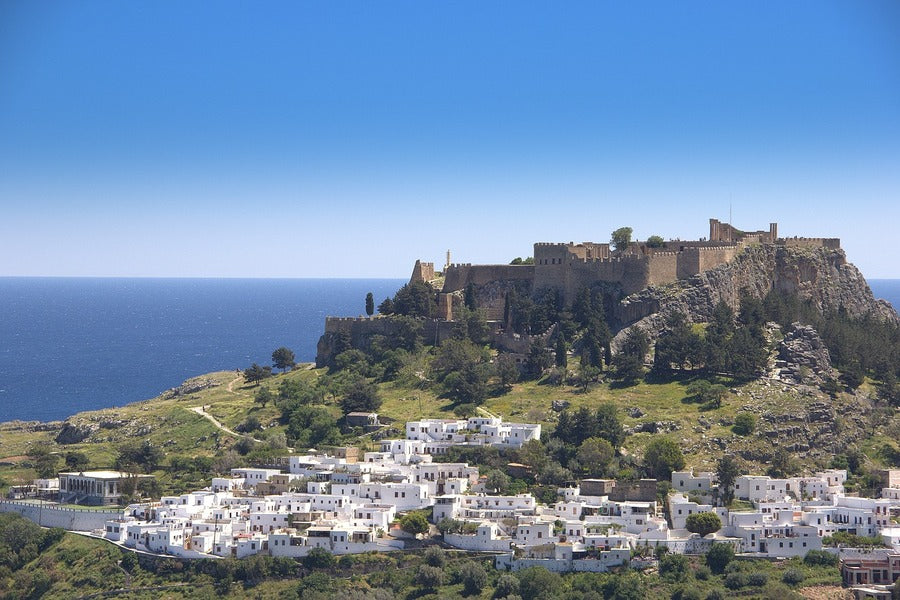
(74,433)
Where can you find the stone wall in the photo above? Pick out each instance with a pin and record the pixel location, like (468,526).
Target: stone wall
(663,268)
(457,277)
(800,242)
(71,519)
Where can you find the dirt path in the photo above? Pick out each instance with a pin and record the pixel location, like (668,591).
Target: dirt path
(199,410)
(234,381)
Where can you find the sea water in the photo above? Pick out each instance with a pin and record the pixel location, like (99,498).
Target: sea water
(73,344)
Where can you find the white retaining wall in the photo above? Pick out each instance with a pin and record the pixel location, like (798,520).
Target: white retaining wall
(72,519)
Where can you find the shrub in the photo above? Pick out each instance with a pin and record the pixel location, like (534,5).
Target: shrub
(507,585)
(757,579)
(744,423)
(414,523)
(687,592)
(434,556)
(674,567)
(473,577)
(718,557)
(820,557)
(318,558)
(735,581)
(793,576)
(716,594)
(429,577)
(703,573)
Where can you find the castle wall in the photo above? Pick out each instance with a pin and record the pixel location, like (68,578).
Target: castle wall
(550,269)
(631,272)
(663,268)
(457,277)
(422,271)
(802,242)
(713,257)
(688,262)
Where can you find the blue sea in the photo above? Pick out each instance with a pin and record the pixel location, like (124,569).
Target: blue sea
(74,344)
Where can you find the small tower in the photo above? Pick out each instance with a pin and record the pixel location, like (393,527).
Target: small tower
(447,264)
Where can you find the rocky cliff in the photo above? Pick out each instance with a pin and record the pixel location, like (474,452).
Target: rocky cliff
(821,275)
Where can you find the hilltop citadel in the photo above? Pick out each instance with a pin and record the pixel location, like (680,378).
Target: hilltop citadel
(567,267)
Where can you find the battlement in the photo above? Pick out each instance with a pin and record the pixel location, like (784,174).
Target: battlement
(808,242)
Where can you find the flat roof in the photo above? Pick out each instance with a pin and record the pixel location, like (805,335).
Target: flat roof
(103,474)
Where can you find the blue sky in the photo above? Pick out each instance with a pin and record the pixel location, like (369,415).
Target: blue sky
(347,139)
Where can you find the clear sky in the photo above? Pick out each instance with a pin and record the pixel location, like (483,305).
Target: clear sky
(347,139)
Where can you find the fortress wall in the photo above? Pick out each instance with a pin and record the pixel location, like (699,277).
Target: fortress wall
(713,257)
(422,271)
(663,268)
(688,263)
(631,272)
(550,266)
(802,242)
(458,277)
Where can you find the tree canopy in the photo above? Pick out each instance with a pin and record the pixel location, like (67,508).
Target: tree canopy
(703,523)
(663,456)
(283,358)
(621,237)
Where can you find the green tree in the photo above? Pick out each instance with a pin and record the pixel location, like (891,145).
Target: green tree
(361,396)
(655,241)
(256,373)
(263,396)
(621,237)
(435,556)
(609,426)
(507,371)
(469,297)
(469,384)
(283,358)
(594,455)
(782,464)
(704,523)
(496,482)
(415,299)
(414,523)
(539,360)
(310,426)
(430,578)
(744,423)
(627,585)
(537,583)
(674,567)
(727,471)
(319,558)
(711,394)
(44,462)
(507,585)
(629,362)
(76,461)
(473,577)
(718,556)
(370,304)
(562,358)
(386,307)
(663,456)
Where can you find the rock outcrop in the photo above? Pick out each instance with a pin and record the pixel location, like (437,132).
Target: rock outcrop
(75,433)
(820,275)
(803,357)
